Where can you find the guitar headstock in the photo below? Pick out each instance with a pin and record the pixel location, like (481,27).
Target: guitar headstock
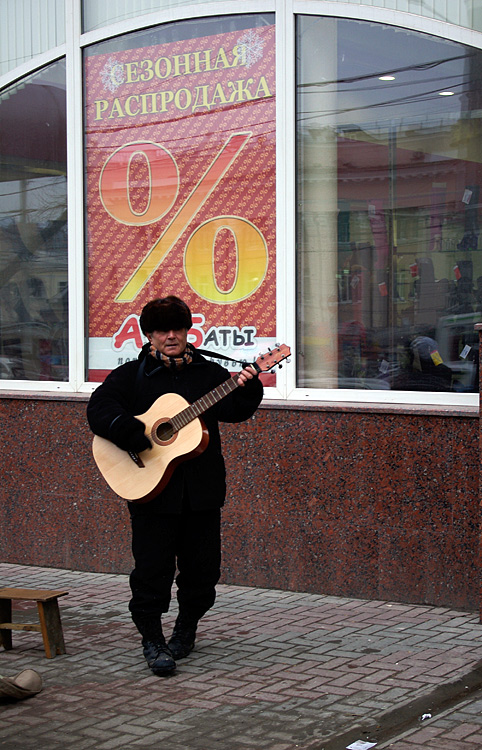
(272,358)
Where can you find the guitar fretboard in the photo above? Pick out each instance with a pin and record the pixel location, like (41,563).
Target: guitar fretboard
(203,404)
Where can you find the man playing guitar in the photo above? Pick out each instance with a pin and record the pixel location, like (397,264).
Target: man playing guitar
(176,525)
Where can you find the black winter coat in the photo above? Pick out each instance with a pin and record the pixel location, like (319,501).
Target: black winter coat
(201,479)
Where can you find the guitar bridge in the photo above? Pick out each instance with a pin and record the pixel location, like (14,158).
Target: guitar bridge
(137,459)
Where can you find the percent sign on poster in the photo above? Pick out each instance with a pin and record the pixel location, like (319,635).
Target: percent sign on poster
(251,249)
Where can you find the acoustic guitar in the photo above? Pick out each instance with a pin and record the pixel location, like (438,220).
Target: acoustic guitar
(177,433)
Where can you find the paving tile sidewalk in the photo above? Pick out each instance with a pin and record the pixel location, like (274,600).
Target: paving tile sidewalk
(272,670)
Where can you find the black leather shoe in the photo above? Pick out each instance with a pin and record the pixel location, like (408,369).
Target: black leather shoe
(182,639)
(158,657)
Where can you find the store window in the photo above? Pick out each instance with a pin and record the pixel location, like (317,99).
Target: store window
(33,228)
(389,280)
(180,161)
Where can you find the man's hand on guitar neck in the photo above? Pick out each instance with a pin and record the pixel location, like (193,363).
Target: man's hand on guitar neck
(248,373)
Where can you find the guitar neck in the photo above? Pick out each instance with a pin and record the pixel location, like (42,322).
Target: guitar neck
(263,363)
(204,403)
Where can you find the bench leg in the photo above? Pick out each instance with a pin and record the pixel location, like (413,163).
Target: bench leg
(6,616)
(51,628)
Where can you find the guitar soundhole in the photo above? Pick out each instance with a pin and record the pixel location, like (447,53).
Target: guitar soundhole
(164,432)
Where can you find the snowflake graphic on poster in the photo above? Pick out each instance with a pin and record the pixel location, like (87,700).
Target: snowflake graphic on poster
(253,47)
(113,74)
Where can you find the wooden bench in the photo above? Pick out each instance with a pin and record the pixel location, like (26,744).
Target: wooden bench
(49,616)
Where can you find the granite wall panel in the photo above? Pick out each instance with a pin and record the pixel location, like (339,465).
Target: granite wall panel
(336,500)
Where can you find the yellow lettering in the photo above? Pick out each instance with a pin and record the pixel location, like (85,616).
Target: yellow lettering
(219,95)
(148,73)
(240,88)
(239,52)
(145,98)
(197,60)
(221,60)
(187,96)
(178,64)
(163,67)
(166,98)
(128,105)
(132,72)
(263,87)
(100,107)
(116,110)
(203,91)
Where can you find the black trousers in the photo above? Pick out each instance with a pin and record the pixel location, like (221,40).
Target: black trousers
(161,543)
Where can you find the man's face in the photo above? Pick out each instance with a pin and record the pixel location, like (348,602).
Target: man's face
(170,343)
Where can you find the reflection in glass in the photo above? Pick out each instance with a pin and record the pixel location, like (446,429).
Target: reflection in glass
(389,183)
(33,228)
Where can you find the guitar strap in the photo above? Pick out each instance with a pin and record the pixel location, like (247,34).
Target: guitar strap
(137,384)
(221,356)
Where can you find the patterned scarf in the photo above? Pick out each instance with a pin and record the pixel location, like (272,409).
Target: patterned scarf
(175,363)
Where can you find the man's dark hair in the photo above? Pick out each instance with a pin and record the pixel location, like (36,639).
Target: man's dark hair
(165,314)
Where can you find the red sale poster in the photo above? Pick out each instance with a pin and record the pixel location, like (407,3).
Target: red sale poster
(180,159)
